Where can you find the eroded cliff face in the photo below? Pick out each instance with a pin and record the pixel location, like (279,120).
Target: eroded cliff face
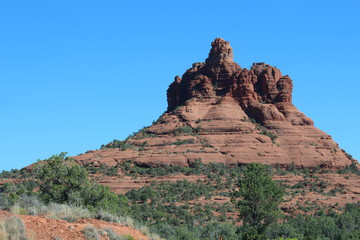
(262,92)
(220,112)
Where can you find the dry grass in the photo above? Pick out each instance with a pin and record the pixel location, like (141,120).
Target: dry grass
(12,228)
(91,233)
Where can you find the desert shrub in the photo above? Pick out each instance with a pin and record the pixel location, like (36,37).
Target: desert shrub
(348,155)
(66,212)
(91,233)
(59,178)
(164,207)
(272,136)
(16,174)
(10,192)
(62,181)
(31,205)
(183,130)
(334,191)
(111,171)
(210,231)
(196,167)
(182,190)
(352,168)
(184,141)
(3,234)
(282,231)
(319,228)
(116,218)
(332,226)
(14,228)
(141,133)
(111,234)
(96,196)
(126,237)
(125,144)
(8,195)
(292,168)
(16,209)
(13,173)
(353,235)
(215,231)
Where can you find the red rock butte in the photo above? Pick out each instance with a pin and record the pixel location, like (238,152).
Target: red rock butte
(221,112)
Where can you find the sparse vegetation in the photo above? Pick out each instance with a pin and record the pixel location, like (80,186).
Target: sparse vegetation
(348,155)
(159,120)
(272,136)
(112,235)
(263,131)
(12,228)
(91,233)
(183,209)
(248,119)
(184,141)
(184,130)
(352,168)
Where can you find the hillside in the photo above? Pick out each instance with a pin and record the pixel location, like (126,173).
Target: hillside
(45,228)
(180,177)
(221,112)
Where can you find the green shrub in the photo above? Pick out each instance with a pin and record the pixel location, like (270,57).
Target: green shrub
(282,231)
(126,237)
(111,234)
(114,236)
(184,130)
(13,173)
(59,177)
(272,136)
(184,141)
(348,155)
(123,145)
(215,231)
(112,171)
(352,168)
(96,196)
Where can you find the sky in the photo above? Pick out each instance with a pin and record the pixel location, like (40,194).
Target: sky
(77,74)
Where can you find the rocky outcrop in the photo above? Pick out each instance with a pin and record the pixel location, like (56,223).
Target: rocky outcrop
(255,89)
(220,112)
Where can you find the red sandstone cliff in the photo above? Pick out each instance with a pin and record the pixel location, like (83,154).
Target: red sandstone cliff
(220,112)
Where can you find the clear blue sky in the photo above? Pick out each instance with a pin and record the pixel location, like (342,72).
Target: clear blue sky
(78,74)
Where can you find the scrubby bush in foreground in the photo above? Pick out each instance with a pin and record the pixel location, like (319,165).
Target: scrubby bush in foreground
(12,228)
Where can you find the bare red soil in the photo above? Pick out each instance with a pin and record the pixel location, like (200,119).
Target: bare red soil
(42,228)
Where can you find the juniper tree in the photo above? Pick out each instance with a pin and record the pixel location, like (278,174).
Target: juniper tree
(260,197)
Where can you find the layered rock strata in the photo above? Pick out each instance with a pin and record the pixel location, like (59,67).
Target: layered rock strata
(220,112)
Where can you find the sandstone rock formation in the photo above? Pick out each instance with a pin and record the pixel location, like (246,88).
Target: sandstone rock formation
(220,112)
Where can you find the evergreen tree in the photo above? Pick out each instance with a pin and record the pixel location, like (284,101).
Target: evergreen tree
(60,178)
(260,197)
